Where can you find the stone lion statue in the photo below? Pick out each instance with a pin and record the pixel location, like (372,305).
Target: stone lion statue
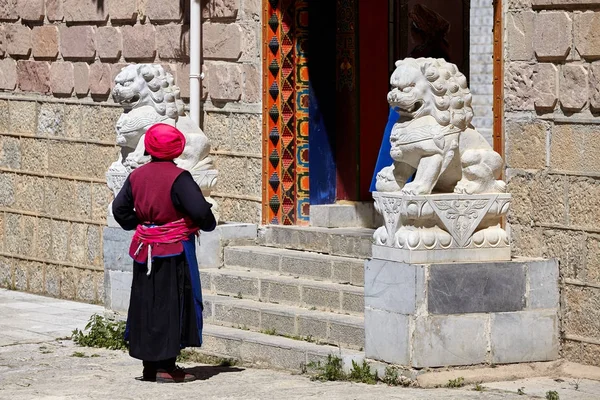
(434,135)
(149,96)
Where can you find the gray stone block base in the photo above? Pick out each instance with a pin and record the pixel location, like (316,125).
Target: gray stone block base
(435,315)
(347,215)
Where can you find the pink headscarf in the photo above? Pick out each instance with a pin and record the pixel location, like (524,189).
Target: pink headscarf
(164,142)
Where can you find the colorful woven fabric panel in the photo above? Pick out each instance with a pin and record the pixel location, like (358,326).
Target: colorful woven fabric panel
(285,119)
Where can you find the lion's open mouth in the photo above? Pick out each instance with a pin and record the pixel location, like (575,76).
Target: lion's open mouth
(410,110)
(131,102)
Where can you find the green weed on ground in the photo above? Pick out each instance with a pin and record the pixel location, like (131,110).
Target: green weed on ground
(456,383)
(552,395)
(102,332)
(191,356)
(332,370)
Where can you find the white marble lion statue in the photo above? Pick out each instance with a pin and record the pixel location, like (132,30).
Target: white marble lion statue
(434,135)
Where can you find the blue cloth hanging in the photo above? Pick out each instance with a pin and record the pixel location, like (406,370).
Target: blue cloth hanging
(384,159)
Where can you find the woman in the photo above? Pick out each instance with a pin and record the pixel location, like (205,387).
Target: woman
(167,209)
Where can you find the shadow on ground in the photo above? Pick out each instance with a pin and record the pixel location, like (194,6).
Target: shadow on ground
(204,372)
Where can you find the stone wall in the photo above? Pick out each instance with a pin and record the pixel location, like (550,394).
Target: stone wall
(481,65)
(552,152)
(58,59)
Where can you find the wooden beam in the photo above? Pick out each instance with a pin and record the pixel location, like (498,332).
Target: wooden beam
(498,79)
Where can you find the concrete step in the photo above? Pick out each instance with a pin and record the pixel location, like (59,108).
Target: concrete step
(283,320)
(270,288)
(345,242)
(266,351)
(297,263)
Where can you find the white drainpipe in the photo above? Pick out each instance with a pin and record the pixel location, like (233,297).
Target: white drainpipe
(195,59)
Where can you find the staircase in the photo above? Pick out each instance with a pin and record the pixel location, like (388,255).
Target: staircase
(293,297)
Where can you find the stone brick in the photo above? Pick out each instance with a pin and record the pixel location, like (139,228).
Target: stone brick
(594,88)
(584,202)
(568,248)
(99,122)
(109,43)
(518,85)
(77,243)
(592,261)
(251,35)
(545,84)
(31,10)
(62,79)
(34,155)
(524,337)
(99,79)
(222,41)
(29,195)
(547,198)
(86,290)
(581,311)
(543,284)
(390,286)
(8,190)
(8,10)
(58,197)
(183,80)
(520,30)
(306,266)
(320,297)
(570,140)
(20,275)
(3,43)
(101,198)
(35,277)
(308,326)
(8,74)
(282,323)
(224,81)
(45,41)
(52,284)
(252,9)
(78,42)
(4,121)
(252,78)
(248,128)
(252,259)
(343,333)
(18,40)
(33,76)
(81,73)
(84,11)
(519,4)
(276,292)
(68,283)
(573,87)
(139,42)
(563,3)
(6,275)
(23,117)
(172,42)
(449,340)
(525,144)
(54,10)
(587,36)
(233,285)
(552,38)
(163,10)
(123,10)
(82,204)
(225,8)
(234,210)
(44,239)
(492,287)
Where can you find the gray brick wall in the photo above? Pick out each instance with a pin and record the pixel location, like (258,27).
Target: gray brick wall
(481,78)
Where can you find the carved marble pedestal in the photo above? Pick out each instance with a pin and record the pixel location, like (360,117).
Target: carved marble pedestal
(441,227)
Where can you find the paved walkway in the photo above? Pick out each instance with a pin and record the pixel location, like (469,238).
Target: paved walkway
(34,365)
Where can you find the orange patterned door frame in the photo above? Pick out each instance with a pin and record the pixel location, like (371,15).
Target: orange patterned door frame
(285,113)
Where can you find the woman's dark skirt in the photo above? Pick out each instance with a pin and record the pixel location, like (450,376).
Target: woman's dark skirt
(165,309)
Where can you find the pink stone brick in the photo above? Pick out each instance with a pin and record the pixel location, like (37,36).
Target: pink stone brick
(78,42)
(109,43)
(18,40)
(172,42)
(8,74)
(224,81)
(225,8)
(54,10)
(33,76)
(222,41)
(62,78)
(45,41)
(123,10)
(81,75)
(2,40)
(163,10)
(139,42)
(8,10)
(31,10)
(84,11)
(100,78)
(251,91)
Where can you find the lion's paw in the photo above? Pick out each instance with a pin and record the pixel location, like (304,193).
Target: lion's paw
(415,189)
